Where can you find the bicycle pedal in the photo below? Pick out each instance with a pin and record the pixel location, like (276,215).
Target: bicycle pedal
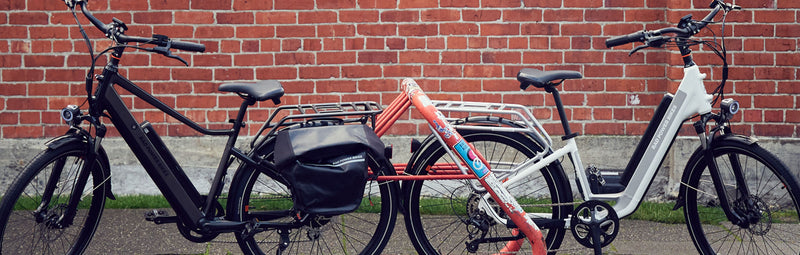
(159,217)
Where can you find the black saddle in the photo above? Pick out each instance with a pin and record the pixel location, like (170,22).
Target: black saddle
(540,79)
(259,91)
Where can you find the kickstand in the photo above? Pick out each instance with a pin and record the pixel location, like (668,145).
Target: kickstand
(284,241)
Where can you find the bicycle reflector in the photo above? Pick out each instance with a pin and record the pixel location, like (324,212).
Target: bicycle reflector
(729,107)
(69,114)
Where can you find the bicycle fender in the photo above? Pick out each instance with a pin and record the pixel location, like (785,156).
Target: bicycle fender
(698,155)
(76,137)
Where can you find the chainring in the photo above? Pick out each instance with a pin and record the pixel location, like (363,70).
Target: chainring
(594,216)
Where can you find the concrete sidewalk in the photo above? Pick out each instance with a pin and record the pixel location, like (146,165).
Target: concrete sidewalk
(126,232)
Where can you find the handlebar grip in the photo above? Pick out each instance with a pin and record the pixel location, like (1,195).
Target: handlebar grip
(625,39)
(187,46)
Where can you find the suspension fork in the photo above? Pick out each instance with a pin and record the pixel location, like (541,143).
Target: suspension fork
(719,186)
(76,195)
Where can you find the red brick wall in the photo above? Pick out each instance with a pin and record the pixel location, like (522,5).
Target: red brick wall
(348,50)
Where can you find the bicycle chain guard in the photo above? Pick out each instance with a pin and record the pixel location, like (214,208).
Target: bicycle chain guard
(594,224)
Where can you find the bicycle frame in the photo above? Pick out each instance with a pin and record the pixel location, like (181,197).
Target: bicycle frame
(151,152)
(690,99)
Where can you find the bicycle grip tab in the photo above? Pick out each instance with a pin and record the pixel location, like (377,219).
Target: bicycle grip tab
(625,39)
(187,46)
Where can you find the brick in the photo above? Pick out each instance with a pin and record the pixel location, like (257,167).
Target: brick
(17,131)
(359,16)
(361,71)
(338,30)
(235,18)
(763,101)
(26,74)
(276,17)
(376,29)
(604,128)
(213,5)
(644,15)
(379,4)
(789,87)
(501,57)
(787,30)
(500,29)
(214,32)
(644,71)
(773,130)
(276,73)
(602,15)
(562,15)
(231,74)
(193,17)
(316,17)
(782,4)
(461,57)
(27,18)
(295,31)
(610,71)
(418,57)
(294,58)
(439,15)
(548,29)
(251,5)
(456,29)
(580,29)
(583,3)
(583,57)
(624,3)
(254,31)
(377,57)
(124,5)
(396,43)
(375,43)
(441,71)
(481,15)
(542,3)
(318,72)
(258,59)
(402,71)
(400,16)
(481,71)
(775,73)
(185,74)
(416,4)
(753,59)
(542,57)
(336,4)
(522,15)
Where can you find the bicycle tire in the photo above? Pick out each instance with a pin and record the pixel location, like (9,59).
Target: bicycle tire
(773,190)
(450,233)
(373,223)
(19,229)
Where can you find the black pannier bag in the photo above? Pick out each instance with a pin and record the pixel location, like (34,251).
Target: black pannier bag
(326,166)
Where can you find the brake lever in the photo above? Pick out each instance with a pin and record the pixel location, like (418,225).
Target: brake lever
(640,47)
(164,50)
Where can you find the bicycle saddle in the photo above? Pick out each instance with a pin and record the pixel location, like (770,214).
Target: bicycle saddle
(259,91)
(540,79)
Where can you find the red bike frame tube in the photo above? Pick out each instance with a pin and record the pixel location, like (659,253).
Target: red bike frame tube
(476,163)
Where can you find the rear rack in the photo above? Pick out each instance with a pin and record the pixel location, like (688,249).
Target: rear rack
(347,112)
(519,114)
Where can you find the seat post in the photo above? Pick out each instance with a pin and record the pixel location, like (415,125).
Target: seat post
(561,113)
(219,177)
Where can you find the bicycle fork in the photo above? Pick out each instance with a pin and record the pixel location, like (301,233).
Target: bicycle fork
(476,163)
(735,215)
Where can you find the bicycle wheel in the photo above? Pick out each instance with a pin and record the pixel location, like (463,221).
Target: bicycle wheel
(443,215)
(257,195)
(28,230)
(774,226)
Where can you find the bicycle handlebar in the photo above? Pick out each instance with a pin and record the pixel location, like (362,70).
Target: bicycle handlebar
(122,38)
(685,29)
